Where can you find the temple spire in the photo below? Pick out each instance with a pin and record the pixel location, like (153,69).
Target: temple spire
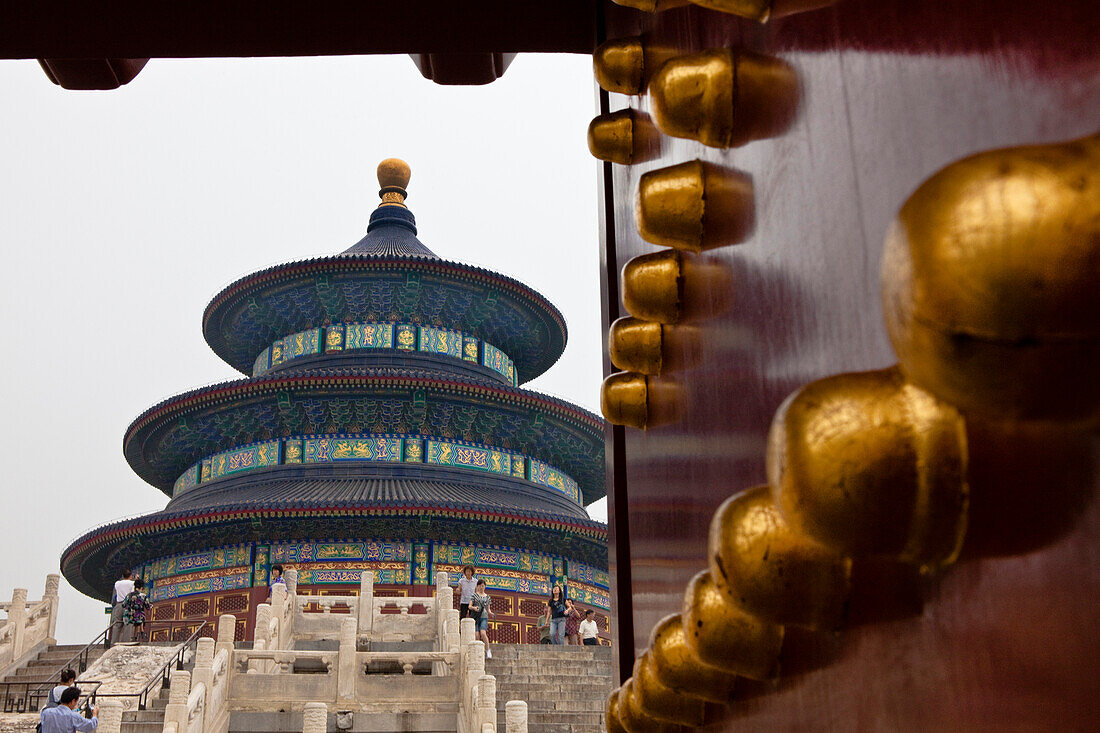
(393,177)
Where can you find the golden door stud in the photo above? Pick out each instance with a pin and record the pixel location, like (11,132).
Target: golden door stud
(872,466)
(991,283)
(772,571)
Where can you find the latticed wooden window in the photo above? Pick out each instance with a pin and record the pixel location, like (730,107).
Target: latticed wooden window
(164,612)
(196,607)
(504,633)
(232,603)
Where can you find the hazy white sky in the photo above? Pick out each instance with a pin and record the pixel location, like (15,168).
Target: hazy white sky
(122,213)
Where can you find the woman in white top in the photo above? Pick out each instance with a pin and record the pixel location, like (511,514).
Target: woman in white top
(466,587)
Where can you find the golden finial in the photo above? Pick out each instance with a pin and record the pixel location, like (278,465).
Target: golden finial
(393,177)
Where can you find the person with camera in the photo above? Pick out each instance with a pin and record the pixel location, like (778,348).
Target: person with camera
(64,718)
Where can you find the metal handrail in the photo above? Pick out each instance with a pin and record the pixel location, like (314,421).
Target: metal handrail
(162,675)
(31,697)
(31,700)
(82,655)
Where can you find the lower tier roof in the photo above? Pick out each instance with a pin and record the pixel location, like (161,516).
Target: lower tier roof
(94,561)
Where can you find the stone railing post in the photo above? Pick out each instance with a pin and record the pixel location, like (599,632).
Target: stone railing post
(278,611)
(53,581)
(315,718)
(473,668)
(466,631)
(486,702)
(444,601)
(227,631)
(110,716)
(515,716)
(290,577)
(17,617)
(259,666)
(346,673)
(263,625)
(453,635)
(204,669)
(176,709)
(366,603)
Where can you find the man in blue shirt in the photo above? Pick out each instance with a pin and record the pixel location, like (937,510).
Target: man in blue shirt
(64,718)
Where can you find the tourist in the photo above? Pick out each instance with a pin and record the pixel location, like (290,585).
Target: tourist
(466,587)
(544,626)
(572,623)
(134,609)
(276,579)
(64,718)
(589,631)
(123,588)
(481,605)
(68,679)
(557,615)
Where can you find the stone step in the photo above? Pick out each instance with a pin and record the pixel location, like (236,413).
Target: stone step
(142,727)
(512,651)
(545,674)
(144,716)
(541,717)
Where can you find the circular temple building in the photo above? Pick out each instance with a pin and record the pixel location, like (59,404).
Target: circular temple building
(380,427)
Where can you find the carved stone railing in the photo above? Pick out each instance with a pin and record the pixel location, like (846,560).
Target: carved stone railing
(28,628)
(316,617)
(212,672)
(477,705)
(275,673)
(259,677)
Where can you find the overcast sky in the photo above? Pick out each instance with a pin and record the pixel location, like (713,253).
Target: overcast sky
(122,213)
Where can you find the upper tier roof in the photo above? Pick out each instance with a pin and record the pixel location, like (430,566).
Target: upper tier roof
(389,275)
(171,436)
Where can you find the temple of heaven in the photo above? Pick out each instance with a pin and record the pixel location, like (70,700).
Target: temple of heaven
(380,427)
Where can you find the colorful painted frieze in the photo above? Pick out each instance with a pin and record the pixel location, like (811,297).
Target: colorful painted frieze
(350,573)
(450,453)
(498,361)
(420,562)
(189,479)
(257,455)
(414,450)
(457,555)
(405,336)
(301,344)
(441,341)
(375,551)
(334,337)
(352,448)
(546,475)
(205,585)
(278,353)
(519,466)
(588,574)
(292,450)
(262,363)
(369,336)
(588,595)
(261,565)
(222,557)
(469,348)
